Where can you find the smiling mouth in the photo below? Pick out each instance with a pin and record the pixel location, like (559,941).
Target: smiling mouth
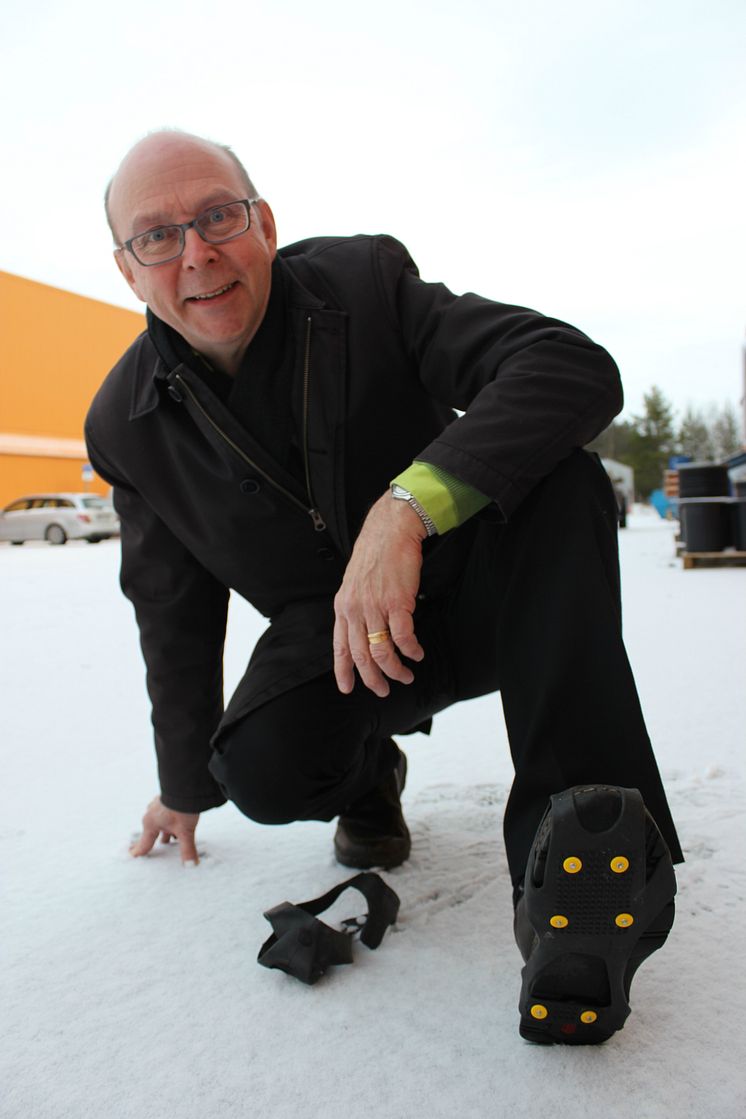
(211,294)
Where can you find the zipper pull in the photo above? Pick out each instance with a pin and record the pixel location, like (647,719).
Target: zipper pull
(318,521)
(172,389)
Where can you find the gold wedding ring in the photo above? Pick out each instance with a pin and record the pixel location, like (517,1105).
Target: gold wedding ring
(378,637)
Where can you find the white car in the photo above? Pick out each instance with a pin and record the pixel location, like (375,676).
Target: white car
(58,517)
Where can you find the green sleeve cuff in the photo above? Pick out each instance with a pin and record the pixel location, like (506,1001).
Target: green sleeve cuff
(445,498)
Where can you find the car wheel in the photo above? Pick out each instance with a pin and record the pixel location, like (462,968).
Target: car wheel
(56,534)
(93,539)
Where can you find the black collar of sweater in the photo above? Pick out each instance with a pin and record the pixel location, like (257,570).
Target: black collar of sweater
(266,349)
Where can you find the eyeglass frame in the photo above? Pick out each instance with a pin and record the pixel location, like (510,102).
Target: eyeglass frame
(184,226)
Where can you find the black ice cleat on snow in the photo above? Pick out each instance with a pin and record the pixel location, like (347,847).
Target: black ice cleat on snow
(597,900)
(372,831)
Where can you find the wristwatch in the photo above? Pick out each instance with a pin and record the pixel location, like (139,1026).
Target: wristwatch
(400,494)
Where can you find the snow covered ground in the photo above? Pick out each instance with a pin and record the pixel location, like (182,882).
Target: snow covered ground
(130,987)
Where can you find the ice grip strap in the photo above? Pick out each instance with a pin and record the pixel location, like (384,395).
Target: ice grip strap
(305,948)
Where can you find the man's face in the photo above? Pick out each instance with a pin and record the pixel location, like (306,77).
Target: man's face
(172,179)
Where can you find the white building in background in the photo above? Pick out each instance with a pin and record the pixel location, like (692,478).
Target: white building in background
(622,477)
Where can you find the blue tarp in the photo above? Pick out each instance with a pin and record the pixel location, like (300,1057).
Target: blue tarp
(664,506)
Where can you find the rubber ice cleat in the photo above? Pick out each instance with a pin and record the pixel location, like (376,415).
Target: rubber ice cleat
(583,936)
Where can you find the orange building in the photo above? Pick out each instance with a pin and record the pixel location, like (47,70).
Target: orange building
(56,350)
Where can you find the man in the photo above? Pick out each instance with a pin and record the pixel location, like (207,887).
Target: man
(252,435)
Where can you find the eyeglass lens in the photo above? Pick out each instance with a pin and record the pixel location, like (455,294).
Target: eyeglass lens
(220,223)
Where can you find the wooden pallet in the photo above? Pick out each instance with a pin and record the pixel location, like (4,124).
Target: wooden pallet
(713,559)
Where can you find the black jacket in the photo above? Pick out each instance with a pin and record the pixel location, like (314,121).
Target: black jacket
(382,359)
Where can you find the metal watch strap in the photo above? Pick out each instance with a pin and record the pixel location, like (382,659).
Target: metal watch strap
(400,494)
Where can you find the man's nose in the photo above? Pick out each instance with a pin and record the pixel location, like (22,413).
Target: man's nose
(197,252)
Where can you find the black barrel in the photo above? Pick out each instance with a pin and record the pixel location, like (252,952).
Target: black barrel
(703,479)
(738,514)
(706,523)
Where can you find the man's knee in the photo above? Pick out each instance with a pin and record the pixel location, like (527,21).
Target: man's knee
(262,785)
(582,476)
(576,496)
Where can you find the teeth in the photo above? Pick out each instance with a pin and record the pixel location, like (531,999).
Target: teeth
(212,294)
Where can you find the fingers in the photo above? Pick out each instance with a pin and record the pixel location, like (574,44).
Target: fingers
(379,662)
(384,656)
(169,824)
(343,663)
(188,849)
(146,841)
(366,663)
(401,625)
(379,592)
(187,846)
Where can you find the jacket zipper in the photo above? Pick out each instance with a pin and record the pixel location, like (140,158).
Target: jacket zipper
(318,521)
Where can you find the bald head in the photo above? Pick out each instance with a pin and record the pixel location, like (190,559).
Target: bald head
(165,147)
(213,292)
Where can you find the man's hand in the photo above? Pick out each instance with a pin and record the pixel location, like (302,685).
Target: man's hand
(180,826)
(379,592)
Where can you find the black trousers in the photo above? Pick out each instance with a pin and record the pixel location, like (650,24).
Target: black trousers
(535,614)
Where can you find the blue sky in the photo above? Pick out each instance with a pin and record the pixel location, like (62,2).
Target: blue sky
(586,159)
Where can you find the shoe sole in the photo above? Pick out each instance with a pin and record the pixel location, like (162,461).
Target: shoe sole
(598,905)
(366,856)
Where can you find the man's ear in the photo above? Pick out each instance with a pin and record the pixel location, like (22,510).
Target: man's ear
(267,222)
(124,267)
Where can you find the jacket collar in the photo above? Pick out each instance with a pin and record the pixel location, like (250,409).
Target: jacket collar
(155,361)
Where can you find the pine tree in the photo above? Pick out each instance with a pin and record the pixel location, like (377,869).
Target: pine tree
(646,441)
(651,441)
(725,431)
(694,437)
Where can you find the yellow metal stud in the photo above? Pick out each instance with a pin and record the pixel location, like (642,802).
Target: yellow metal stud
(572,864)
(619,864)
(539,1011)
(558,921)
(588,1016)
(624,920)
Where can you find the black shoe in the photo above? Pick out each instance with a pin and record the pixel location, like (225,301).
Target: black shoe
(372,831)
(597,900)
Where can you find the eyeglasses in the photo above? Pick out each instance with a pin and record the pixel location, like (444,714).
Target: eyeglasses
(216,225)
